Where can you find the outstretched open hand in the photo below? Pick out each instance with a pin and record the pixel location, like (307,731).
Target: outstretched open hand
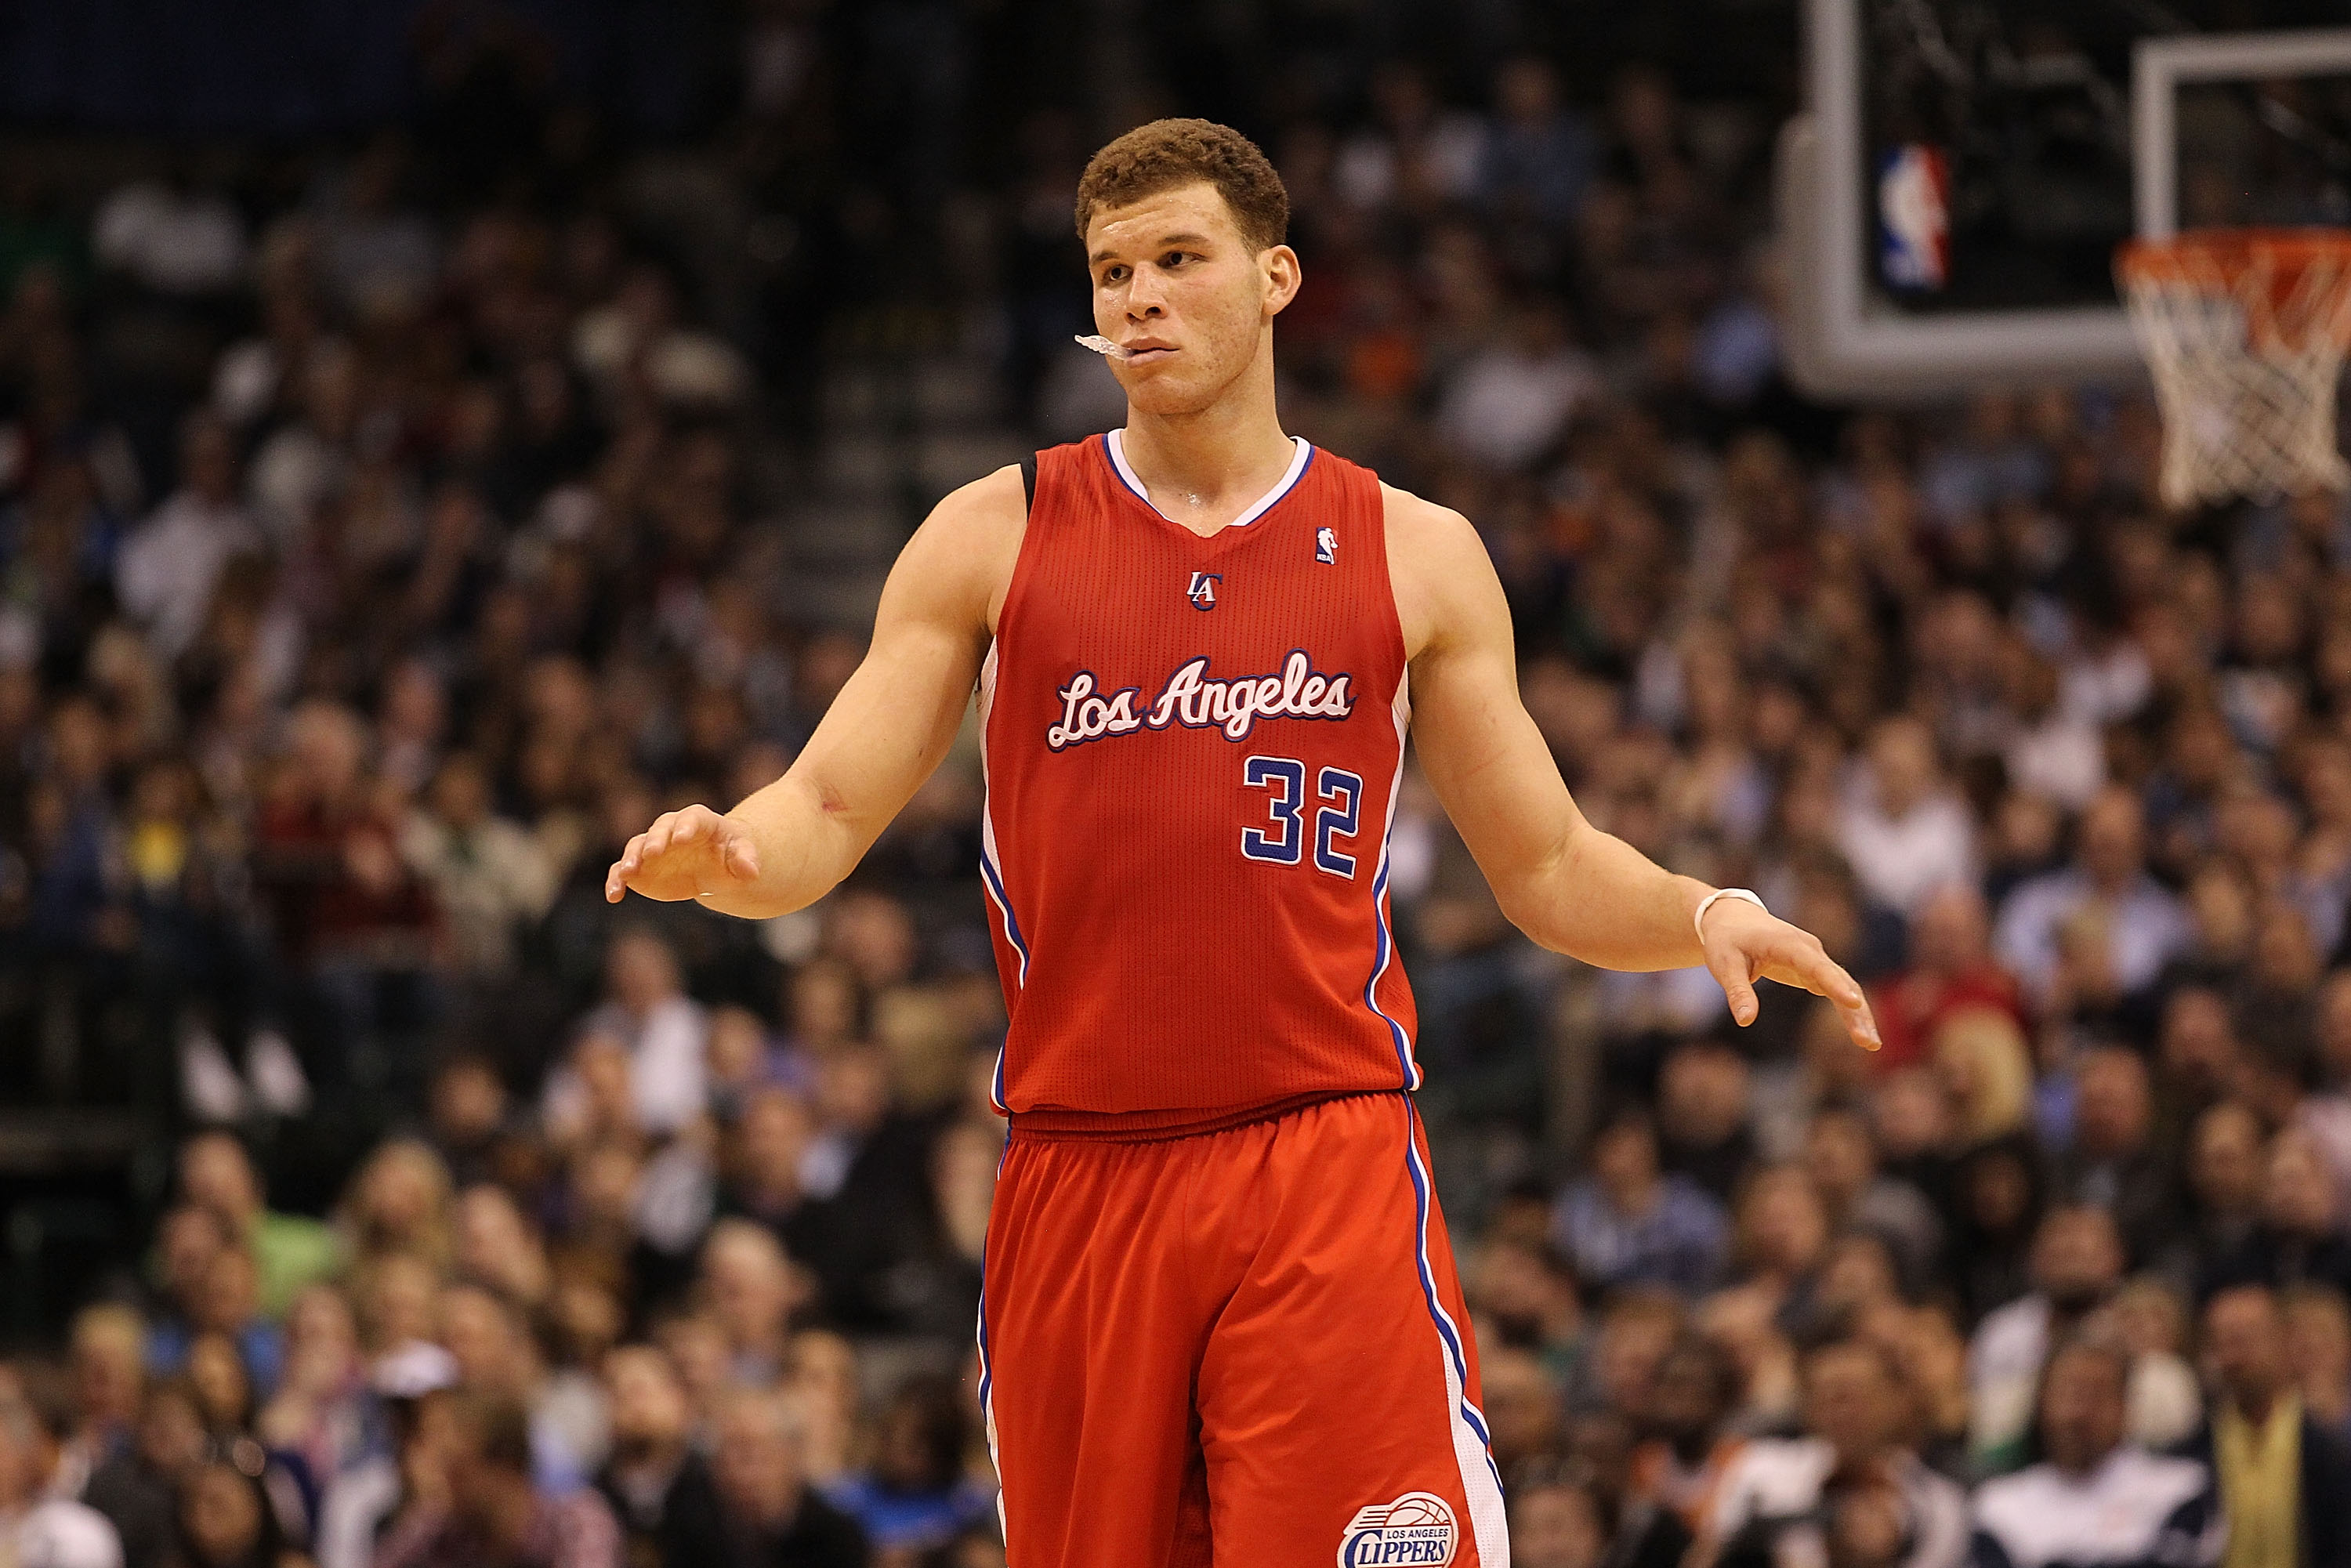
(1744,944)
(685,854)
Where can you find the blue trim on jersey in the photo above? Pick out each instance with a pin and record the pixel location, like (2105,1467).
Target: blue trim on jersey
(1110,455)
(1115,455)
(995,882)
(1445,1329)
(1381,952)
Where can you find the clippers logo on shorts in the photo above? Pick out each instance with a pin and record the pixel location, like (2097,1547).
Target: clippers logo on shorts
(1191,699)
(1203,592)
(1416,1527)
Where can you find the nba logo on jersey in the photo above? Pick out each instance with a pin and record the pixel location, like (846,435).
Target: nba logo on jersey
(1326,546)
(1203,592)
(1416,1527)
(1914,215)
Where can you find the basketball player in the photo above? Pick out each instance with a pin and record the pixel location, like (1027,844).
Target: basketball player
(1221,1322)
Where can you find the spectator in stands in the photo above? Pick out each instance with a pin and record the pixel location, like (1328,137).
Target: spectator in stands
(40,1528)
(823,1380)
(397,1206)
(320,1412)
(1690,1448)
(365,1501)
(227,1307)
(469,1111)
(1998,1193)
(1556,1525)
(1524,1293)
(497,1358)
(494,1512)
(488,876)
(2145,926)
(1907,833)
(165,572)
(108,1372)
(2077,1261)
(291,1251)
(351,914)
(1629,1223)
(915,1495)
(1702,1116)
(1521,1405)
(2092,1499)
(2318,1339)
(2112,1161)
(2150,1319)
(1950,968)
(1850,1480)
(137,1487)
(494,1245)
(226,1520)
(663,1030)
(2284,1480)
(1841,1159)
(2227,1157)
(772,1517)
(749,1286)
(2300,1241)
(658,1483)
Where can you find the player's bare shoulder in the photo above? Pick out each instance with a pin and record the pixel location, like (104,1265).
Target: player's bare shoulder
(1439,569)
(960,560)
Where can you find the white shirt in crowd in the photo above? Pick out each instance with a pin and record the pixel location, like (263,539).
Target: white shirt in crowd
(2136,1507)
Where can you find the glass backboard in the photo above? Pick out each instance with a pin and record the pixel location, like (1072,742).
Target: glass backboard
(1952,199)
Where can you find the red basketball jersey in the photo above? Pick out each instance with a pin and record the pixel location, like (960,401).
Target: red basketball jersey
(1193,747)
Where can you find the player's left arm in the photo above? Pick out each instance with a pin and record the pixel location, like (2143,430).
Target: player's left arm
(1570,886)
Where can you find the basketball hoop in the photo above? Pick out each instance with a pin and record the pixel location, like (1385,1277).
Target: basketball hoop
(2244,330)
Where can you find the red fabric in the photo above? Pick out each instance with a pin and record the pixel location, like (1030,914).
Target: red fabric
(1176,953)
(1222,1348)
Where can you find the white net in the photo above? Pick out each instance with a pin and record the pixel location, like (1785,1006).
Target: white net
(2245,338)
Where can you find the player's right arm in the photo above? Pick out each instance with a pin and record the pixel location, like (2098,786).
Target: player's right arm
(791,843)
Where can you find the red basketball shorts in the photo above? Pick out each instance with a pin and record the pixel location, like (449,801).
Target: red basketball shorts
(1236,1348)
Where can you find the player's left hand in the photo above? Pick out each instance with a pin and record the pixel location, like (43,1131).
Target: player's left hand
(1744,944)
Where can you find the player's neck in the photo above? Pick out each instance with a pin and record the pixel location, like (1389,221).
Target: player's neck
(1204,468)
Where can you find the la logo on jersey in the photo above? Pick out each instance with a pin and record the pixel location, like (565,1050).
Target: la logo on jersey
(1416,1528)
(1326,546)
(1203,592)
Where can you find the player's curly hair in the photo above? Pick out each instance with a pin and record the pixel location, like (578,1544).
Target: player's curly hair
(1166,154)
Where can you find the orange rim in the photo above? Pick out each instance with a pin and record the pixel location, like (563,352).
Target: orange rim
(2230,250)
(2265,269)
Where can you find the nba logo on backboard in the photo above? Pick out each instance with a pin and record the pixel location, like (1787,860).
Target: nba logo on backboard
(1203,592)
(1416,1527)
(1914,218)
(1326,545)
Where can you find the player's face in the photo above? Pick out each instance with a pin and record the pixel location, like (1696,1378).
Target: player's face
(1174,280)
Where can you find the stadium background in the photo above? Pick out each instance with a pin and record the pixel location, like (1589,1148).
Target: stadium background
(435,438)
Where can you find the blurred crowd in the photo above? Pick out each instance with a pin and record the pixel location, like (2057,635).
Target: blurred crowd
(387,533)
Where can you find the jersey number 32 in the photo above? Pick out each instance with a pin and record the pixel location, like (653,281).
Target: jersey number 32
(1339,798)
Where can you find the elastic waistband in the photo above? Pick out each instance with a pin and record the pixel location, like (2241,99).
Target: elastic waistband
(1153,1126)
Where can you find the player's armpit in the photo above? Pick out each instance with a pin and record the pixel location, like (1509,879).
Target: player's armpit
(898,713)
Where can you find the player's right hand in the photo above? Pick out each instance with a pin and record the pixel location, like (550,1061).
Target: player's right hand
(685,854)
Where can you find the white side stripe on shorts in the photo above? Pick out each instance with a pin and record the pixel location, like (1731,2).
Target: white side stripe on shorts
(1481,1482)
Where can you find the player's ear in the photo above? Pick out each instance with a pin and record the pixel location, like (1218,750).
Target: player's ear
(1282,277)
